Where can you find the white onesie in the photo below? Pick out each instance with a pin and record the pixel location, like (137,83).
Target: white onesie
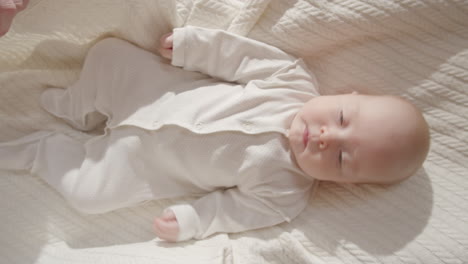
(214,126)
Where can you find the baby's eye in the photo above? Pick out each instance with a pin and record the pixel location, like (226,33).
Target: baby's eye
(341,117)
(340,158)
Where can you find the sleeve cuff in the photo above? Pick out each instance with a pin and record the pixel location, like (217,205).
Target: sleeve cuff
(188,220)
(178,47)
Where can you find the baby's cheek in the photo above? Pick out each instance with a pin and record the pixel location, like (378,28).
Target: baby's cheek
(324,167)
(309,163)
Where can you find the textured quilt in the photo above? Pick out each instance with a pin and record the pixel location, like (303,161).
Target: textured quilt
(414,48)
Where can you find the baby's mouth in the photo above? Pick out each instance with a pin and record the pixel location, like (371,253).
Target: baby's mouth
(305,136)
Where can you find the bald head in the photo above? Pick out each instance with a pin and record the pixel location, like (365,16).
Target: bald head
(409,137)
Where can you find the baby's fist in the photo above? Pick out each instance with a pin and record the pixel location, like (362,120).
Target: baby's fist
(166,227)
(166,44)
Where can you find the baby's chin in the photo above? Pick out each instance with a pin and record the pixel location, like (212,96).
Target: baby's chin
(295,131)
(293,136)
(295,142)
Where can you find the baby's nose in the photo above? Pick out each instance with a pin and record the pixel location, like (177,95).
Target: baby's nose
(326,138)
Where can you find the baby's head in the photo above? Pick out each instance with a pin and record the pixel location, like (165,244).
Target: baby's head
(358,138)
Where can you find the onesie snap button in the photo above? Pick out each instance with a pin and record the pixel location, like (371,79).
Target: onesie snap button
(247,126)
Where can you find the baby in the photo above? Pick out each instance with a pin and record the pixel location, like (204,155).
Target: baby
(237,122)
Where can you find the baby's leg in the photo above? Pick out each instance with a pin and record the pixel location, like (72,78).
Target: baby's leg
(77,103)
(118,81)
(102,175)
(73,105)
(96,177)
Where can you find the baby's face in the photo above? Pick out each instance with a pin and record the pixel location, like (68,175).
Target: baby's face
(350,138)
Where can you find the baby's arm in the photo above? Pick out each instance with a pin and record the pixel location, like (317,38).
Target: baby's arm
(230,210)
(220,211)
(227,56)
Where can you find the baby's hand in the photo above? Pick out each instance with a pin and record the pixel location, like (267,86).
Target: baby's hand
(166,226)
(8,10)
(165,48)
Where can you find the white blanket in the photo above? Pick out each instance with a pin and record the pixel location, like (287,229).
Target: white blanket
(414,48)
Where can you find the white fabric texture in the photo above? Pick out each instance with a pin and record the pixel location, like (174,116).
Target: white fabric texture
(414,48)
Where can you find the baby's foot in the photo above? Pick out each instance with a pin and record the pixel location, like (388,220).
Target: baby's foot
(58,102)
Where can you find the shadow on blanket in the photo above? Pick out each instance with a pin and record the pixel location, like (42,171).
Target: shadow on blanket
(380,220)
